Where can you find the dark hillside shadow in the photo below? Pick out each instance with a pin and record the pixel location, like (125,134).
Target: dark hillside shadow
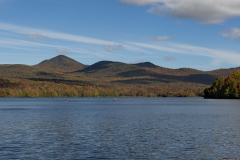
(146,64)
(144,81)
(135,73)
(41,73)
(5,83)
(195,78)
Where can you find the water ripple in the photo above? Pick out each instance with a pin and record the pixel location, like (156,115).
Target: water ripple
(130,128)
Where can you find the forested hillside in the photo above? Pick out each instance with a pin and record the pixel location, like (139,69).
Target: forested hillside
(104,78)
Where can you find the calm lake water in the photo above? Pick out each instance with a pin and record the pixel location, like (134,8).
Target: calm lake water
(128,128)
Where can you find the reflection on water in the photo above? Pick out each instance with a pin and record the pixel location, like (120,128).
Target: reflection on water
(128,128)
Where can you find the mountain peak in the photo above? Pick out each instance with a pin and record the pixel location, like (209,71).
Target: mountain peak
(61,58)
(60,63)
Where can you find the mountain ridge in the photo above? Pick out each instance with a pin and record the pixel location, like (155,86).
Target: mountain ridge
(104,78)
(63,67)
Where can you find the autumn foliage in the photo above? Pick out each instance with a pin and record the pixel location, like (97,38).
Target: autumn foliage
(225,87)
(62,76)
(30,88)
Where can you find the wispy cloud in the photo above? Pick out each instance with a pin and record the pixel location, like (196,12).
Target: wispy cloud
(203,11)
(20,54)
(112,48)
(169,58)
(218,56)
(233,33)
(16,42)
(66,37)
(135,49)
(157,47)
(36,36)
(63,51)
(158,38)
(54,35)
(29,45)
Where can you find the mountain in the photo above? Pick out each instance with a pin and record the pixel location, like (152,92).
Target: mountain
(60,63)
(118,72)
(108,78)
(106,72)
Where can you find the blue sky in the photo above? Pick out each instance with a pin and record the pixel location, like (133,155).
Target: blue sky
(204,34)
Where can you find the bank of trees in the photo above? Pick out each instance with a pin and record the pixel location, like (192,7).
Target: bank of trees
(225,87)
(30,88)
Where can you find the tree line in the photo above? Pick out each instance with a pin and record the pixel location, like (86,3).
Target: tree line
(33,88)
(228,88)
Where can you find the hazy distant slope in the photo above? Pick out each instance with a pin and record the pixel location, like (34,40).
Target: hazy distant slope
(223,73)
(60,63)
(168,71)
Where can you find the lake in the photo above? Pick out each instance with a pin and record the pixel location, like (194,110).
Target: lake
(128,128)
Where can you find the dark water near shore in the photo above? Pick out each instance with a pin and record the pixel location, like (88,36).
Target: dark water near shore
(129,128)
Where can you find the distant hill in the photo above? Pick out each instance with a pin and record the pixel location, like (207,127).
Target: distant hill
(98,66)
(108,68)
(60,63)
